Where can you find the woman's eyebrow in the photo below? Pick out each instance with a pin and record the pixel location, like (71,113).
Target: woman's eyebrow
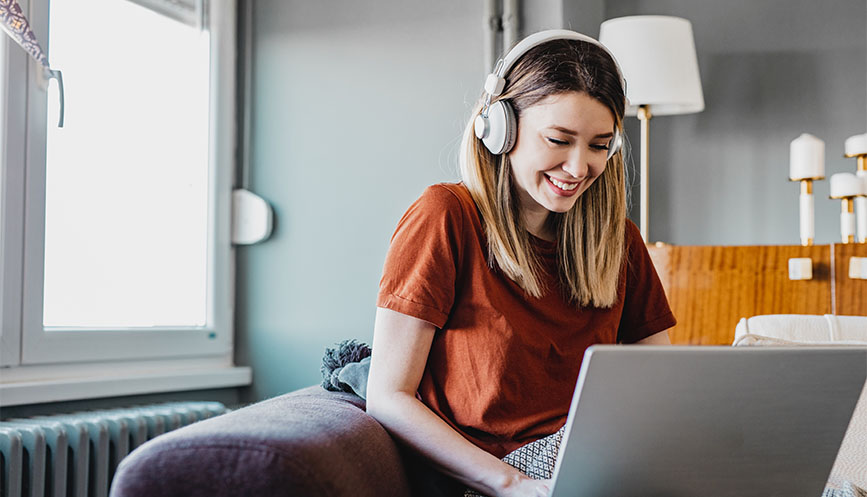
(564,130)
(574,133)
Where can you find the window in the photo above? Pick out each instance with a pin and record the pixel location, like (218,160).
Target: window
(126,182)
(116,228)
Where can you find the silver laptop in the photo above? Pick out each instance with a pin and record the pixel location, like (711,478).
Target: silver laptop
(707,421)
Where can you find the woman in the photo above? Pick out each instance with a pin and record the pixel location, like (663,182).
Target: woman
(494,287)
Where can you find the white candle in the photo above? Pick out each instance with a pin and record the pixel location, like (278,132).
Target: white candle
(806,158)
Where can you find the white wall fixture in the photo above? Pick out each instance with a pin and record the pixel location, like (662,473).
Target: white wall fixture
(807,164)
(658,59)
(858,268)
(252,218)
(800,268)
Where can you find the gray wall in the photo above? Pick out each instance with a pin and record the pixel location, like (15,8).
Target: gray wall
(358,106)
(770,70)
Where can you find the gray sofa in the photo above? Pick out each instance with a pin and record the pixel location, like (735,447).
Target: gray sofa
(307,443)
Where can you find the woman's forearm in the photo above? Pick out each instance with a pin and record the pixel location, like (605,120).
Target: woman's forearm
(410,421)
(660,338)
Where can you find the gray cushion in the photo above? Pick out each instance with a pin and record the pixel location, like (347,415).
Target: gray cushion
(309,442)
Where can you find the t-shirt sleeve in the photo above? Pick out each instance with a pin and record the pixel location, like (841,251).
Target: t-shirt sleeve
(645,308)
(418,278)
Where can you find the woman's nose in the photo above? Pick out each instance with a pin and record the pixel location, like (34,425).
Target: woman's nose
(576,164)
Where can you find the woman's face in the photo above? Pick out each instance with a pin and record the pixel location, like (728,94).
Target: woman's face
(561,148)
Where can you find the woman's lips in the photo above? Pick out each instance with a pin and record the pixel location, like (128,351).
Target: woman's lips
(560,191)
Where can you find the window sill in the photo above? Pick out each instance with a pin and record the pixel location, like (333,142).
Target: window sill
(39,384)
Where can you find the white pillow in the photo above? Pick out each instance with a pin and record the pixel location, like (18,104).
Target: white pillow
(801,329)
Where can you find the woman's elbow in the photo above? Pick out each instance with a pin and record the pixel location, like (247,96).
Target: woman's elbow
(380,403)
(373,402)
(386,391)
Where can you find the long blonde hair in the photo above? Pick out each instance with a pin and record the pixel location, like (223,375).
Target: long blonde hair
(590,236)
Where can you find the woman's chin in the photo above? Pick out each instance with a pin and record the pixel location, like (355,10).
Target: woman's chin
(561,204)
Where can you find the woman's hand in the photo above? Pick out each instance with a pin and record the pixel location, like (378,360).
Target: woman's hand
(524,486)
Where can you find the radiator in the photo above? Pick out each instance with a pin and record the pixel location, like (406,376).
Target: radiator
(76,455)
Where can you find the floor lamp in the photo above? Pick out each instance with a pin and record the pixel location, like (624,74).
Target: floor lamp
(657,56)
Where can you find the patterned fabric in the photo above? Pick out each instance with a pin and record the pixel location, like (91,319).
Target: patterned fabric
(840,488)
(15,24)
(536,459)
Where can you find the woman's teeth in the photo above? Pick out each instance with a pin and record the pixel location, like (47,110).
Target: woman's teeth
(563,186)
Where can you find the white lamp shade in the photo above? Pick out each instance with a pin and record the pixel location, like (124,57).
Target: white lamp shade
(856,145)
(845,185)
(657,57)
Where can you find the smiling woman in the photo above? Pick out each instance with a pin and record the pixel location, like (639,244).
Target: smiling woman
(494,287)
(552,82)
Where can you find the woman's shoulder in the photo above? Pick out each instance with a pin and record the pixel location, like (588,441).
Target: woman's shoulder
(633,240)
(633,234)
(447,195)
(445,199)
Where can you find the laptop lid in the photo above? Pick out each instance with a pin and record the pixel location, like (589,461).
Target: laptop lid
(724,421)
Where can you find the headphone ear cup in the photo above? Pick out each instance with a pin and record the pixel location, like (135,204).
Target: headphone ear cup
(502,128)
(511,127)
(616,144)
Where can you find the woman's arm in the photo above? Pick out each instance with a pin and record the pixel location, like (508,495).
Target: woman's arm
(401,345)
(660,338)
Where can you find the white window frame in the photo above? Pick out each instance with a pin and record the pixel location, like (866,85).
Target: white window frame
(29,355)
(12,110)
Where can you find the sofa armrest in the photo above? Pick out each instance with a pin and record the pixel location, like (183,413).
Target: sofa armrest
(309,442)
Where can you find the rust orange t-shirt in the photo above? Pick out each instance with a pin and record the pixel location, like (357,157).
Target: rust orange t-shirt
(503,364)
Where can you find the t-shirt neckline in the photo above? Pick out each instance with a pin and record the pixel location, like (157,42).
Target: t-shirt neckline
(544,246)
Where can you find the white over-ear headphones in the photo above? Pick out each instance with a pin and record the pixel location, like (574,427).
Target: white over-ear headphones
(495,125)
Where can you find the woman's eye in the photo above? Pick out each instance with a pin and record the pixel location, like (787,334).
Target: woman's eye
(557,142)
(600,147)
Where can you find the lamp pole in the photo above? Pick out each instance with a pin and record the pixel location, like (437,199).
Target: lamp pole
(644,116)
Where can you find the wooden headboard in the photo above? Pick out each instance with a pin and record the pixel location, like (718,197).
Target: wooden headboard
(710,288)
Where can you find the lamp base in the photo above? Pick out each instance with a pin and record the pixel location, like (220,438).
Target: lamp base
(644,116)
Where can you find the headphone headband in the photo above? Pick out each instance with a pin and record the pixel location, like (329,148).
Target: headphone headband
(536,39)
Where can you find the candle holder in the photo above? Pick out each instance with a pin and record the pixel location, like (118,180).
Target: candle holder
(845,187)
(807,164)
(856,146)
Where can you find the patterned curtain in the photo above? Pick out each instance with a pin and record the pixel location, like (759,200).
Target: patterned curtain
(15,24)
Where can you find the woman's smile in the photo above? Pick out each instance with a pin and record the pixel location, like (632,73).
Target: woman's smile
(563,188)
